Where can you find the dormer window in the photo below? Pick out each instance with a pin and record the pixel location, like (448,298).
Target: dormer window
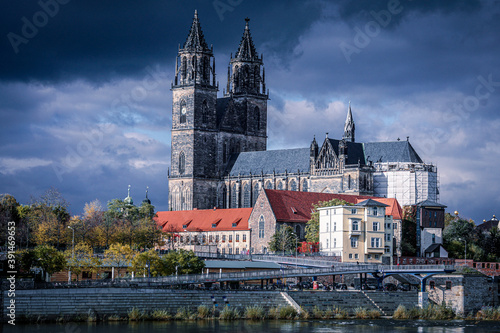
(184,226)
(214,225)
(234,224)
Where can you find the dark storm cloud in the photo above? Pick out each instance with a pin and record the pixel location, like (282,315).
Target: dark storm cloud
(96,40)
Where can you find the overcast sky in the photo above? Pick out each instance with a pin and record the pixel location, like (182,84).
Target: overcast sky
(85,98)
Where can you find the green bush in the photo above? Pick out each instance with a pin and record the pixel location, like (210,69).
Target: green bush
(317,313)
(203,312)
(183,314)
(229,313)
(135,314)
(361,313)
(254,312)
(161,315)
(287,312)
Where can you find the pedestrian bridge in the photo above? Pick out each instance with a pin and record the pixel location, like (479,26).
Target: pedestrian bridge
(379,271)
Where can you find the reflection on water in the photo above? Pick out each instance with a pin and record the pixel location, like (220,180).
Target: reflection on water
(268,326)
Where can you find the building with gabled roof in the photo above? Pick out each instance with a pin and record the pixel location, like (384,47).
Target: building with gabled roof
(274,208)
(206,230)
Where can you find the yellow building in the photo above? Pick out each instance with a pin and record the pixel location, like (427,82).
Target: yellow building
(360,233)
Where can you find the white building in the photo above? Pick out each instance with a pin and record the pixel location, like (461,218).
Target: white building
(358,233)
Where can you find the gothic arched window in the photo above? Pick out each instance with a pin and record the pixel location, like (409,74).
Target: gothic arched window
(255,194)
(182,163)
(293,185)
(224,152)
(257,118)
(246,196)
(182,112)
(349,182)
(280,185)
(206,67)
(298,231)
(204,112)
(186,198)
(261,226)
(304,186)
(183,68)
(223,199)
(269,185)
(234,197)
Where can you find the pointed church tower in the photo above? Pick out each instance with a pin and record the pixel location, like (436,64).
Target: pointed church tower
(247,87)
(194,121)
(349,126)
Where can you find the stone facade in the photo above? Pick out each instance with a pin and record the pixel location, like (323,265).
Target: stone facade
(464,293)
(262,224)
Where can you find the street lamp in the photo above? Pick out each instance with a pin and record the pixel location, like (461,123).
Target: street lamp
(73,254)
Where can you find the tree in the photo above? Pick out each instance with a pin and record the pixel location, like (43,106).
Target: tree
(185,261)
(460,231)
(118,255)
(149,263)
(8,213)
(312,226)
(409,238)
(49,259)
(284,239)
(82,260)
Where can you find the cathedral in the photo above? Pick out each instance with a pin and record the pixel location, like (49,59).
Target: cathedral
(219,144)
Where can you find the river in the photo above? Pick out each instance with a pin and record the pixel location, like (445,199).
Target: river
(268,326)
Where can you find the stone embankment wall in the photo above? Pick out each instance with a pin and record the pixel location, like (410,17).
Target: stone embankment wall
(384,301)
(58,303)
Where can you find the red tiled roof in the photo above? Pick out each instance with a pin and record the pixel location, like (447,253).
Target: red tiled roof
(294,206)
(393,208)
(203,219)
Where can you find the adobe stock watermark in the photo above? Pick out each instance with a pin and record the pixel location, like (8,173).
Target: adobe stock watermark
(30,28)
(77,154)
(371,29)
(223,6)
(456,116)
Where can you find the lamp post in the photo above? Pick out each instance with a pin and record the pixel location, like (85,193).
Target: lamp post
(73,252)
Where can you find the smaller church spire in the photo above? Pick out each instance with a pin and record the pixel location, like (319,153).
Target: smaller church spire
(246,50)
(349,126)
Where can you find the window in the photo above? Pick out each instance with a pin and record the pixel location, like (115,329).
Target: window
(293,185)
(395,226)
(354,242)
(356,256)
(334,226)
(183,111)
(350,255)
(246,196)
(230,250)
(327,226)
(387,250)
(448,285)
(304,186)
(280,185)
(327,243)
(375,242)
(375,211)
(354,211)
(376,226)
(223,238)
(244,237)
(182,163)
(86,275)
(223,251)
(432,285)
(257,118)
(335,242)
(261,227)
(230,238)
(210,239)
(355,225)
(369,256)
(433,239)
(217,238)
(214,225)
(377,256)
(237,238)
(204,112)
(388,226)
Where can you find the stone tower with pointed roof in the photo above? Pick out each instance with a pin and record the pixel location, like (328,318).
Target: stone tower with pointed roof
(206,130)
(349,126)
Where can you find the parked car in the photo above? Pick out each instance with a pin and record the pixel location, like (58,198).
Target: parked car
(390,287)
(341,286)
